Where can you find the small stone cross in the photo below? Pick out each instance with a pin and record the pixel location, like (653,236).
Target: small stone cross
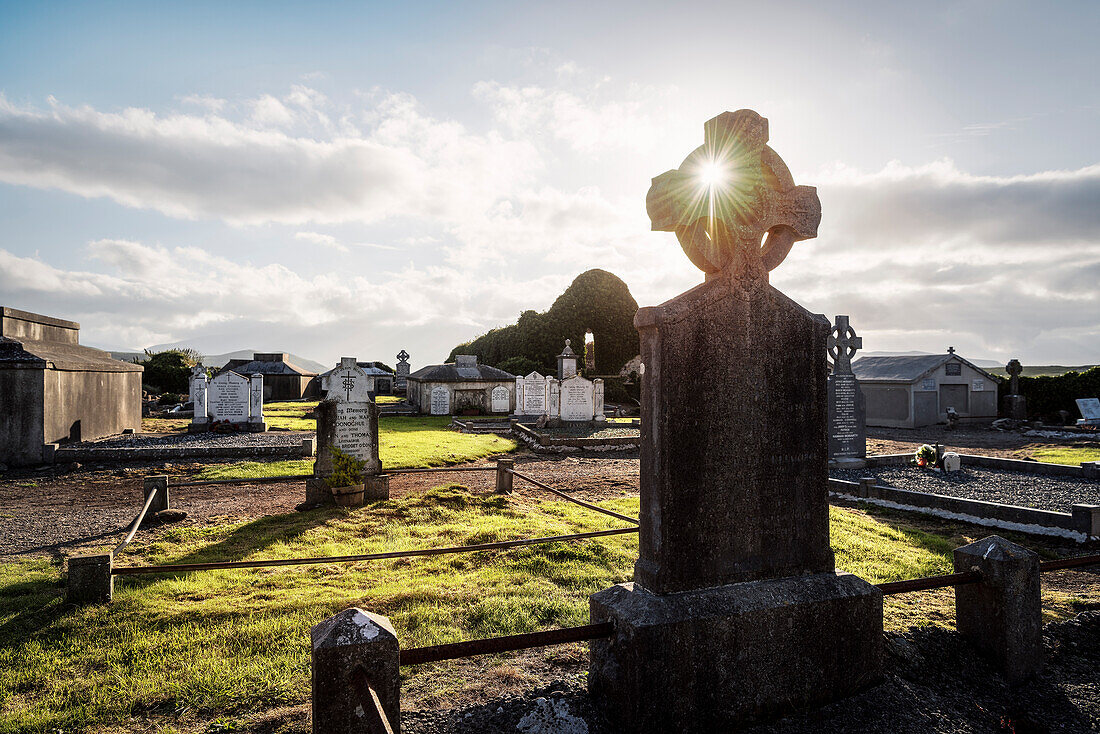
(402,356)
(843,344)
(730,193)
(951,350)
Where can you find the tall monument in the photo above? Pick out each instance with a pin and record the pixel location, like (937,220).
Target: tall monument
(736,611)
(847,408)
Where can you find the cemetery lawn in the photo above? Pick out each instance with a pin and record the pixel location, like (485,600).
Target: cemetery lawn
(1065,454)
(404,443)
(230,649)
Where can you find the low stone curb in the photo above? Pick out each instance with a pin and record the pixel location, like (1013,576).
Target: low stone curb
(1087,469)
(1082,524)
(65,455)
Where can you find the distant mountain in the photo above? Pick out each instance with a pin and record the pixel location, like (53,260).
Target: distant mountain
(219,360)
(977,362)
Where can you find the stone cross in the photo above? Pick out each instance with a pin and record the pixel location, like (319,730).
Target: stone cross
(951,350)
(402,356)
(728,194)
(1014,368)
(843,344)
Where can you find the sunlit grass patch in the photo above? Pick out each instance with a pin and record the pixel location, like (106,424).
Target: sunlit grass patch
(1065,454)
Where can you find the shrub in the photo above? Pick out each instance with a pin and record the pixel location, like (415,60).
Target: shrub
(169,371)
(346,469)
(1048,394)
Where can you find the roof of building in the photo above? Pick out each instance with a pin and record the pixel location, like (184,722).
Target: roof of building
(265,367)
(34,354)
(454,373)
(905,367)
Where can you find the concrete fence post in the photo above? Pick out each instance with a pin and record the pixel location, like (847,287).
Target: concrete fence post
(1002,614)
(1090,469)
(90,580)
(866,487)
(504,475)
(376,487)
(343,644)
(158,484)
(1086,518)
(309,447)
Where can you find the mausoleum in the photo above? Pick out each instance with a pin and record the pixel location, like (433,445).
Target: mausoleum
(53,389)
(283,380)
(443,389)
(910,391)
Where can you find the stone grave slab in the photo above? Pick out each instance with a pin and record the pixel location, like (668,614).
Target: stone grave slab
(578,399)
(440,401)
(500,400)
(228,398)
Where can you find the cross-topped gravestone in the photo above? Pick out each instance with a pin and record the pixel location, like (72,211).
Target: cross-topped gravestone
(847,412)
(1014,368)
(402,375)
(843,345)
(733,203)
(1014,404)
(734,563)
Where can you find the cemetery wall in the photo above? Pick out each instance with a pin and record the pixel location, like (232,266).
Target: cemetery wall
(21,434)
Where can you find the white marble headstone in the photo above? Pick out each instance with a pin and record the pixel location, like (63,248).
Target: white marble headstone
(256,398)
(499,399)
(441,400)
(534,395)
(199,389)
(350,383)
(1090,409)
(227,398)
(578,399)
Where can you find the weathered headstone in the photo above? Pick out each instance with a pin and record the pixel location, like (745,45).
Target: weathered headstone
(847,409)
(401,376)
(229,398)
(441,400)
(599,417)
(1090,411)
(199,392)
(578,399)
(736,610)
(500,399)
(532,395)
(567,362)
(348,421)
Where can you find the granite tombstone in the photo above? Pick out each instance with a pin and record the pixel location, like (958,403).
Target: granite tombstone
(847,408)
(401,376)
(736,610)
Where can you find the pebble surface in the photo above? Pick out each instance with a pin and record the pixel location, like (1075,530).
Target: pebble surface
(187,440)
(1039,491)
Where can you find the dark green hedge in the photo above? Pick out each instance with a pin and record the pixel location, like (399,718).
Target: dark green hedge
(168,371)
(597,301)
(1046,395)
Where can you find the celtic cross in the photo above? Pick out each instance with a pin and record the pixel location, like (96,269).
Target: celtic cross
(843,344)
(733,203)
(402,355)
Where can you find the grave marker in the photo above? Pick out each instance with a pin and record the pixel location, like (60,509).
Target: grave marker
(578,399)
(1014,404)
(736,610)
(401,376)
(567,362)
(847,409)
(532,395)
(199,389)
(441,400)
(229,397)
(500,400)
(1090,411)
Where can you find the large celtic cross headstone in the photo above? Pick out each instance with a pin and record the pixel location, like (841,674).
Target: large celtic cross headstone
(843,345)
(735,610)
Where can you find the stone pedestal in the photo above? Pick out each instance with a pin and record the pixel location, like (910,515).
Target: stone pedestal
(734,476)
(1015,407)
(707,660)
(90,580)
(349,640)
(1003,614)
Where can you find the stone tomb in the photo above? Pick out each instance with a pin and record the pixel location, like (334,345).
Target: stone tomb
(736,611)
(228,399)
(847,408)
(348,421)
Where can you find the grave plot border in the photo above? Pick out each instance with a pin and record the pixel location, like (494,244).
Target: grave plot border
(1087,469)
(1081,524)
(543,443)
(62,454)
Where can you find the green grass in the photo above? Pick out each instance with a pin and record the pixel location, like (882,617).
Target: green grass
(224,643)
(404,443)
(1065,454)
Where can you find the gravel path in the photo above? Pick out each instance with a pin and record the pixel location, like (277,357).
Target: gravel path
(934,682)
(183,440)
(992,485)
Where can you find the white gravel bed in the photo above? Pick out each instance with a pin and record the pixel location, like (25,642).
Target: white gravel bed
(187,440)
(1054,493)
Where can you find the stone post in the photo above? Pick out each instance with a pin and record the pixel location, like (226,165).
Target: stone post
(90,580)
(158,484)
(1087,520)
(504,475)
(256,422)
(1090,469)
(1002,614)
(309,446)
(199,395)
(343,643)
(866,487)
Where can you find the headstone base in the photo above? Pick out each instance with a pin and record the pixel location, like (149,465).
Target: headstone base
(376,487)
(1015,407)
(710,659)
(259,427)
(847,463)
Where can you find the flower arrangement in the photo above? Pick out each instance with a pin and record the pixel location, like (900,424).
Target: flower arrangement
(926,456)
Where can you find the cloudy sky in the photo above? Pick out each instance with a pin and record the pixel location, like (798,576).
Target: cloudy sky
(356,178)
